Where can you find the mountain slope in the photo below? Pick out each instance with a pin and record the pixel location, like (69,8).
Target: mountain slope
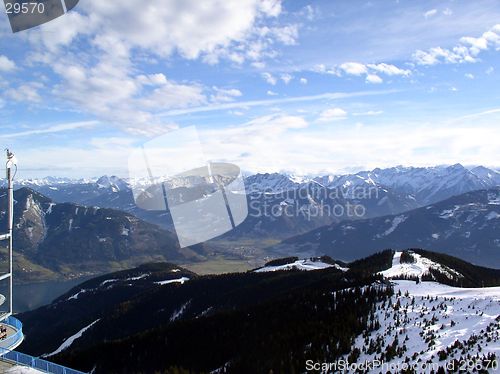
(270,196)
(166,319)
(464,226)
(429,326)
(71,239)
(288,213)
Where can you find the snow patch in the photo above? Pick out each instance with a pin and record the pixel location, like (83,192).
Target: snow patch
(67,342)
(178,313)
(394,225)
(77,295)
(138,277)
(417,269)
(492,215)
(180,280)
(301,265)
(49,209)
(449,213)
(493,198)
(108,281)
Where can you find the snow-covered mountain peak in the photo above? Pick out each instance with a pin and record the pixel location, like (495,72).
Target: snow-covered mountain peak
(112,182)
(306,265)
(410,265)
(490,175)
(273,182)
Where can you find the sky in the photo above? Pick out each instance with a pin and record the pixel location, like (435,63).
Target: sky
(306,87)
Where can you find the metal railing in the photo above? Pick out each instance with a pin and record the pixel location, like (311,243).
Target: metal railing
(35,362)
(23,359)
(16,338)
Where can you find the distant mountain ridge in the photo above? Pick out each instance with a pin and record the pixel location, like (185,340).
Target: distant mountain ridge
(74,240)
(465,226)
(425,184)
(282,205)
(410,179)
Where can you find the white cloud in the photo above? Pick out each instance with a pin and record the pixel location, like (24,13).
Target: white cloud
(466,51)
(105,79)
(430,13)
(303,81)
(174,95)
(27,92)
(165,27)
(309,12)
(330,148)
(152,129)
(332,114)
(286,78)
(447,12)
(459,54)
(353,68)
(271,8)
(222,95)
(369,113)
(270,102)
(6,65)
(269,78)
(389,69)
(110,90)
(490,70)
(469,76)
(287,35)
(370,71)
(258,146)
(373,78)
(62,127)
(258,64)
(271,93)
(112,142)
(152,79)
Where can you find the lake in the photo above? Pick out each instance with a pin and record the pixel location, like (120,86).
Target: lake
(31,296)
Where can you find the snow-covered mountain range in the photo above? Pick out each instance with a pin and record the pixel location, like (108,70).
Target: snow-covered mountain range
(466,226)
(425,184)
(414,180)
(383,191)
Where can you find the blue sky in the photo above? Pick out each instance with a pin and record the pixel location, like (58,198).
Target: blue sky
(298,86)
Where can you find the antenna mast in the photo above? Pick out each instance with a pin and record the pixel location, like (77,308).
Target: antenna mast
(11,163)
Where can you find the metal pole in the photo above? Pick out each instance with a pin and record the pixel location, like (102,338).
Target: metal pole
(10,198)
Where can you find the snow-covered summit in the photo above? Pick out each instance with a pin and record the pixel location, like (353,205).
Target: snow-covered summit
(430,325)
(420,267)
(306,264)
(112,182)
(273,182)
